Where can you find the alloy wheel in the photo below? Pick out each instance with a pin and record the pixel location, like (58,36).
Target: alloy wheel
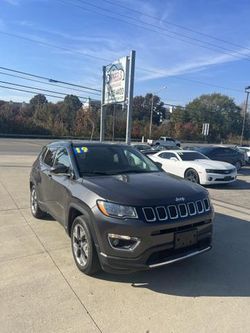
(192,176)
(80,245)
(34,203)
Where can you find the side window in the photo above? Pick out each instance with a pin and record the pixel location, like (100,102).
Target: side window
(62,157)
(167,155)
(49,157)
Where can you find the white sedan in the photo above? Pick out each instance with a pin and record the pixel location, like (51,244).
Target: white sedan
(195,167)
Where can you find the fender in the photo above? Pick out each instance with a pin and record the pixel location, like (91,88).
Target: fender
(88,217)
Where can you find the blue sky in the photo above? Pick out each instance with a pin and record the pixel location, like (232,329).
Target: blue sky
(86,38)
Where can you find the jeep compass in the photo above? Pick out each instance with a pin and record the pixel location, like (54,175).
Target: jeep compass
(122,212)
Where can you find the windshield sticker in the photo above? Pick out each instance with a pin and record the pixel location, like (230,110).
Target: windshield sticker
(80,150)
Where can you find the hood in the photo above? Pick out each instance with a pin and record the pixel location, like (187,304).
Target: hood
(211,164)
(144,189)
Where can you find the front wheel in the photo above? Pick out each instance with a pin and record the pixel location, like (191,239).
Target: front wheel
(34,204)
(192,176)
(83,248)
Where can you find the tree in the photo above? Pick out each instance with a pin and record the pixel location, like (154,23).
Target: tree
(38,100)
(68,111)
(220,111)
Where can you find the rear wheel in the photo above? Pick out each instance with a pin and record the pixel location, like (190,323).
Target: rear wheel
(83,248)
(192,176)
(34,204)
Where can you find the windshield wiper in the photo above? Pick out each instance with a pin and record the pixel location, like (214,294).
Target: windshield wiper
(100,173)
(134,171)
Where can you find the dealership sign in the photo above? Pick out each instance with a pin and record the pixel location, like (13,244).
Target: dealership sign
(116,81)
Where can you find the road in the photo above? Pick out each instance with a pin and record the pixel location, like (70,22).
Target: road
(41,289)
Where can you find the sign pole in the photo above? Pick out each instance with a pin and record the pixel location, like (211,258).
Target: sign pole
(130,96)
(102,119)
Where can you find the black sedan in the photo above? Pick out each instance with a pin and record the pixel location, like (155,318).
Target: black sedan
(224,154)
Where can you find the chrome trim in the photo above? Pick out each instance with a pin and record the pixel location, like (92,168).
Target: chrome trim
(176,216)
(182,204)
(180,258)
(199,211)
(166,215)
(145,215)
(132,248)
(103,254)
(195,210)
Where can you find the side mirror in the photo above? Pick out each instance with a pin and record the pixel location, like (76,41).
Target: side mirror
(173,159)
(60,168)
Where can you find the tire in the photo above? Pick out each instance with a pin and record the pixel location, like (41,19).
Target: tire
(192,176)
(34,205)
(238,165)
(83,247)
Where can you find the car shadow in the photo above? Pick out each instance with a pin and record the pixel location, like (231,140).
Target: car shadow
(245,171)
(224,271)
(239,184)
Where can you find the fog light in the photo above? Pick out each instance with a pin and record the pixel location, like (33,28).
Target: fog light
(122,242)
(210,178)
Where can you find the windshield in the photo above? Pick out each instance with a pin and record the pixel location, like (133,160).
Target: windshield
(111,160)
(191,156)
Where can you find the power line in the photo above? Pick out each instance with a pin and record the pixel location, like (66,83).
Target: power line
(29,87)
(29,92)
(46,78)
(140,68)
(235,54)
(47,83)
(53,46)
(174,24)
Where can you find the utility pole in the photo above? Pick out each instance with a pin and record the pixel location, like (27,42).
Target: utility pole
(130,95)
(113,125)
(102,120)
(152,110)
(247,91)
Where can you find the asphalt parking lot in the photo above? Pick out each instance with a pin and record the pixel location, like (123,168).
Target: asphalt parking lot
(41,289)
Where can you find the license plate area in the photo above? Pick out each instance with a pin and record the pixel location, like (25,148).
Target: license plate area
(186,238)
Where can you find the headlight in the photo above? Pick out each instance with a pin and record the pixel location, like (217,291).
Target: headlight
(116,210)
(210,171)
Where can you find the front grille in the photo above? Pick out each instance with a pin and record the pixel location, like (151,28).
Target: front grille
(183,210)
(173,212)
(199,206)
(223,172)
(161,213)
(149,214)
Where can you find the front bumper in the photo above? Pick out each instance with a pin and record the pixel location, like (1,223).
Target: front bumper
(157,242)
(214,178)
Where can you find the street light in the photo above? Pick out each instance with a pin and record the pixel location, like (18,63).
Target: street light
(151,110)
(247,91)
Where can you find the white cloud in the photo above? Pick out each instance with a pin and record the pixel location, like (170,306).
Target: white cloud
(13,2)
(194,65)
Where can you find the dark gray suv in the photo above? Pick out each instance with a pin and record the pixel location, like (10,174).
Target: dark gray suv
(122,212)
